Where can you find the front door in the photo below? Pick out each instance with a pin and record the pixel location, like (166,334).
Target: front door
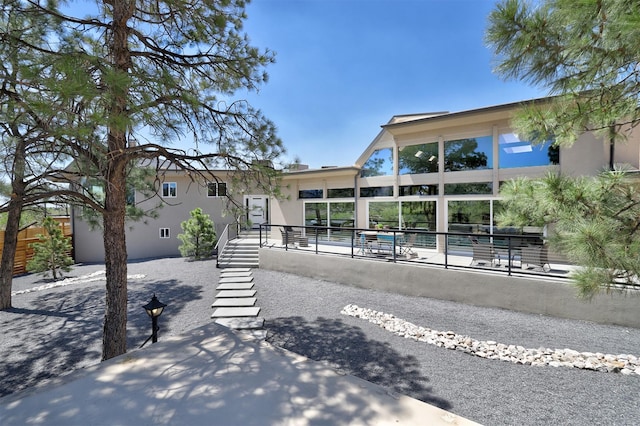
(257,209)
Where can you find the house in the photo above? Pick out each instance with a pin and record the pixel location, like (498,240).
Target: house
(178,195)
(437,171)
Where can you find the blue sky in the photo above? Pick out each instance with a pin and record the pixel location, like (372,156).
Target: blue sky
(345,67)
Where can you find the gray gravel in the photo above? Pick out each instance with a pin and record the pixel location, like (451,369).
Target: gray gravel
(52,332)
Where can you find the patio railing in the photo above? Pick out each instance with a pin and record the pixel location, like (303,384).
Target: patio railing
(505,253)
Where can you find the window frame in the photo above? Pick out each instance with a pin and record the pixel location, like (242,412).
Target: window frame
(216,191)
(168,186)
(164,233)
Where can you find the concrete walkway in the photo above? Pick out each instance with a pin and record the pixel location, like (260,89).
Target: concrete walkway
(234,306)
(214,375)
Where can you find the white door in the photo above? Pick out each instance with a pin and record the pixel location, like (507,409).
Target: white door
(257,209)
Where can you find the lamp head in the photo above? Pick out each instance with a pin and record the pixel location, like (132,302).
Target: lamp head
(155,307)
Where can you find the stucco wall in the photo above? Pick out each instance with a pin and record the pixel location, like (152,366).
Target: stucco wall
(537,296)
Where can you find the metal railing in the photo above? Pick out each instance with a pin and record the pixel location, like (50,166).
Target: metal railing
(503,253)
(230,232)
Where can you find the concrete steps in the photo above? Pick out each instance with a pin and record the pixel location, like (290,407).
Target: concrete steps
(234,303)
(240,253)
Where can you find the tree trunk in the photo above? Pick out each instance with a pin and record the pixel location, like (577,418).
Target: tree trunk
(114,339)
(9,251)
(13,222)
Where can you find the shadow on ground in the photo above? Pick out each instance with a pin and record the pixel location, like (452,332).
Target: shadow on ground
(56,332)
(346,348)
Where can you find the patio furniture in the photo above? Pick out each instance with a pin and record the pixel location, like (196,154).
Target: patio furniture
(406,248)
(289,235)
(483,253)
(536,256)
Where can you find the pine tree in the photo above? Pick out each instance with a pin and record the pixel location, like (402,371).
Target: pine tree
(50,254)
(199,236)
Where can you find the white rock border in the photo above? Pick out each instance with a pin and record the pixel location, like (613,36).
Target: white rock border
(95,276)
(624,364)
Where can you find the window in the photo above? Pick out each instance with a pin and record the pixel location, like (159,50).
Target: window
(418,190)
(468,188)
(416,159)
(165,233)
(169,189)
(380,163)
(517,153)
(377,191)
(310,193)
(340,193)
(216,189)
(468,154)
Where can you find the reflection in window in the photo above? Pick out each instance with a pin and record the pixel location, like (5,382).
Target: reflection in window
(517,153)
(383,214)
(377,191)
(419,215)
(468,188)
(380,163)
(340,193)
(416,159)
(468,154)
(310,193)
(418,190)
(469,216)
(315,214)
(341,214)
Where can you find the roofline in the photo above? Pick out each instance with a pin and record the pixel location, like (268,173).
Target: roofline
(445,116)
(338,170)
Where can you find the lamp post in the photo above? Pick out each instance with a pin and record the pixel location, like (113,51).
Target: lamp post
(154,309)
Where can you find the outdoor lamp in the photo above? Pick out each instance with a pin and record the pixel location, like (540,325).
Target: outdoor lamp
(154,309)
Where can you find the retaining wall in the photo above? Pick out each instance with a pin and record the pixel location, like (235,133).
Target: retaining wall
(532,295)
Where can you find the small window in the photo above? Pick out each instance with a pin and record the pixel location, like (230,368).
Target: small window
(169,189)
(165,233)
(340,193)
(216,189)
(310,193)
(376,191)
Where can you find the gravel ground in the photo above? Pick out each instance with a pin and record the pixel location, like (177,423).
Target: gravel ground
(51,332)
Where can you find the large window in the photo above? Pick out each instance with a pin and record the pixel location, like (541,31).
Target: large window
(380,163)
(517,153)
(469,216)
(416,159)
(335,214)
(418,215)
(468,154)
(383,214)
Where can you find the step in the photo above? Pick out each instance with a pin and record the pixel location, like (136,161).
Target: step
(236,293)
(235,312)
(235,280)
(227,274)
(241,323)
(239,264)
(237,270)
(234,301)
(235,286)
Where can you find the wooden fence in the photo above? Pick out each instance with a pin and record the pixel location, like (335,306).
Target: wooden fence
(28,236)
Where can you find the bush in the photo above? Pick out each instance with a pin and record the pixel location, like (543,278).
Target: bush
(51,253)
(199,237)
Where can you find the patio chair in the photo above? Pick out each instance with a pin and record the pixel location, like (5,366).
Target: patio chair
(536,256)
(407,246)
(483,253)
(289,235)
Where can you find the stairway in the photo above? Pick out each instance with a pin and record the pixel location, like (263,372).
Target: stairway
(241,252)
(234,304)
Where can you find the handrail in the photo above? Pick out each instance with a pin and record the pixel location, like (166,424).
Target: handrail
(511,250)
(224,238)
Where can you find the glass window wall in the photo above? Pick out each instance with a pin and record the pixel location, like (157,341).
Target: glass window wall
(468,154)
(380,163)
(518,153)
(377,191)
(310,193)
(417,159)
